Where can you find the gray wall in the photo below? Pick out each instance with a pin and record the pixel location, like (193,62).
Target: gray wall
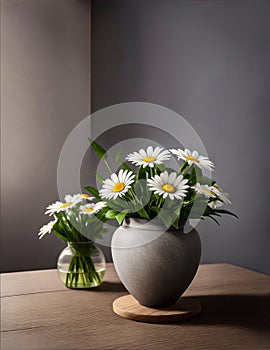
(45,90)
(208,61)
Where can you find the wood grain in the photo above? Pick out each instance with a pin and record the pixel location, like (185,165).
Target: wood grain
(235,314)
(184,309)
(30,282)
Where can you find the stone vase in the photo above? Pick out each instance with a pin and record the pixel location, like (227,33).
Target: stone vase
(155,265)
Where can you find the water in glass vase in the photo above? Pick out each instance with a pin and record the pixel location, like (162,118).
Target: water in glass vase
(81,265)
(79,279)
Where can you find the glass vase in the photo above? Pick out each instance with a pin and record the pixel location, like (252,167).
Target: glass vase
(81,265)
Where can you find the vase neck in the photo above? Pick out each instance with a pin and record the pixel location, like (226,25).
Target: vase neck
(151,225)
(80,244)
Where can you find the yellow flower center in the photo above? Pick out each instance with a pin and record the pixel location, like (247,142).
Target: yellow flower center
(118,187)
(88,210)
(168,188)
(149,159)
(65,205)
(84,195)
(193,159)
(205,190)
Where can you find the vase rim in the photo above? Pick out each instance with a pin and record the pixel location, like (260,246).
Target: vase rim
(151,225)
(143,223)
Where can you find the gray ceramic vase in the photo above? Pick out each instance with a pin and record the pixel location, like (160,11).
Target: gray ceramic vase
(156,266)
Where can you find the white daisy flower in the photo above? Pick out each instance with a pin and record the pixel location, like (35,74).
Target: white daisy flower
(92,208)
(86,196)
(205,190)
(215,203)
(215,192)
(193,158)
(222,195)
(59,206)
(168,185)
(78,197)
(46,228)
(117,185)
(150,157)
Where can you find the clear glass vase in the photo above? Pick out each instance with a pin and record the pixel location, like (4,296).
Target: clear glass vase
(81,265)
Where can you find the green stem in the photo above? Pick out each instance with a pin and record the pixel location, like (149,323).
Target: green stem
(133,194)
(159,202)
(182,167)
(108,166)
(81,268)
(187,170)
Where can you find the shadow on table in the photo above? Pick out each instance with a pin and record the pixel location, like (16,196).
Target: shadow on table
(249,311)
(110,287)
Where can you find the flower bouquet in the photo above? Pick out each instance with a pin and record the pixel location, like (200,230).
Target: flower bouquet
(154,190)
(78,221)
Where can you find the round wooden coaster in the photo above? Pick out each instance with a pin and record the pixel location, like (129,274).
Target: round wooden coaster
(128,307)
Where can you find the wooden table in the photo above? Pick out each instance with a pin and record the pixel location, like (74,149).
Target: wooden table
(38,312)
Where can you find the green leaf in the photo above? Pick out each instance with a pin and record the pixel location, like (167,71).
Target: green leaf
(160,168)
(99,150)
(121,216)
(204,180)
(143,213)
(165,218)
(101,215)
(187,203)
(111,214)
(117,158)
(59,235)
(93,191)
(182,167)
(176,216)
(198,172)
(99,178)
(117,204)
(192,177)
(154,210)
(141,191)
(142,173)
(64,228)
